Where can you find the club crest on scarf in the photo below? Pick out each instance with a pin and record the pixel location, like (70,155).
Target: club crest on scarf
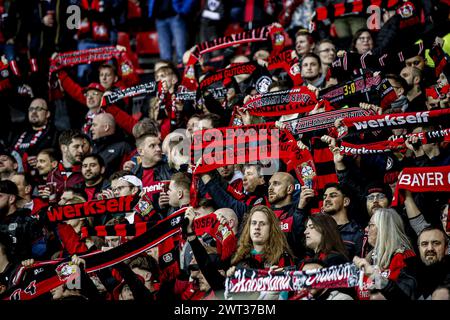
(66,271)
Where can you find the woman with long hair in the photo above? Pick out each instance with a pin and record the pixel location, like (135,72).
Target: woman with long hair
(390,264)
(323,239)
(262,244)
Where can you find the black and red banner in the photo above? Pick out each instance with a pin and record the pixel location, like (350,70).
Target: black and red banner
(41,277)
(277,103)
(140,89)
(225,74)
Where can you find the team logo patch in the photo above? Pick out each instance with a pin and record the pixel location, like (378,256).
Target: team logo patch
(167,257)
(262,85)
(5,73)
(66,270)
(295,69)
(406,11)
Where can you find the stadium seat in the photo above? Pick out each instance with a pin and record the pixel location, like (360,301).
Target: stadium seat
(147,43)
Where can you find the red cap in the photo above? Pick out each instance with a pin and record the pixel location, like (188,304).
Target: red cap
(94,86)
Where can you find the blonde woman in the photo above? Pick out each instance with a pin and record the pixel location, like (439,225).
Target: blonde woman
(391,262)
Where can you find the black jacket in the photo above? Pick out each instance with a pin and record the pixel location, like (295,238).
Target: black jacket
(430,277)
(352,235)
(112,149)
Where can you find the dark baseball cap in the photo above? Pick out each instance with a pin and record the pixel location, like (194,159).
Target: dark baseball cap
(9,187)
(380,188)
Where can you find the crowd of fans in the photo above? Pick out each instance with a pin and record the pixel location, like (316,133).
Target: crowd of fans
(55,152)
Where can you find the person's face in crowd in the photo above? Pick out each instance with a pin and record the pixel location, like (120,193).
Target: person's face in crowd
(432,247)
(259,228)
(174,195)
(364,43)
(76,223)
(200,280)
(93,98)
(376,200)
(91,169)
(107,77)
(327,53)
(334,201)
(98,128)
(146,275)
(432,103)
(74,151)
(23,188)
(226,172)
(192,126)
(407,74)
(279,188)
(38,113)
(372,232)
(151,149)
(205,124)
(251,179)
(7,165)
(441,294)
(45,164)
(312,236)
(112,241)
(399,91)
(126,294)
(170,79)
(302,45)
(416,62)
(65,197)
(122,188)
(310,69)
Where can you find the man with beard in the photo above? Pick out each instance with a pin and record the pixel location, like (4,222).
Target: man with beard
(415,95)
(292,219)
(41,134)
(46,161)
(68,172)
(336,201)
(378,195)
(435,267)
(93,169)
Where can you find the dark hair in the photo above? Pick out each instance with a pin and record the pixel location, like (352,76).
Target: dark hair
(51,153)
(342,188)
(401,81)
(97,157)
(77,191)
(27,178)
(67,136)
(145,262)
(331,240)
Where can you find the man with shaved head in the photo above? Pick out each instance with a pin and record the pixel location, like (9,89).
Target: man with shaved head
(107,144)
(292,220)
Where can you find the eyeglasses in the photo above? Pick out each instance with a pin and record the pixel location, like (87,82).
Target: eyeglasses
(119,188)
(378,196)
(37,109)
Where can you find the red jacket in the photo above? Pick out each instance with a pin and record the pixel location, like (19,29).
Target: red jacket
(70,240)
(65,178)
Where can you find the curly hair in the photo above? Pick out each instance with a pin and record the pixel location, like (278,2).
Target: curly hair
(275,246)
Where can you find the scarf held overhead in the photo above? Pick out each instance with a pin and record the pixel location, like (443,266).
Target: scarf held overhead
(143,88)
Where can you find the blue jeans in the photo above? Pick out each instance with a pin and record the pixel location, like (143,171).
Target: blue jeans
(169,29)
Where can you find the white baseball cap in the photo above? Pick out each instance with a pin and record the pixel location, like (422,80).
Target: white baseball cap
(135,181)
